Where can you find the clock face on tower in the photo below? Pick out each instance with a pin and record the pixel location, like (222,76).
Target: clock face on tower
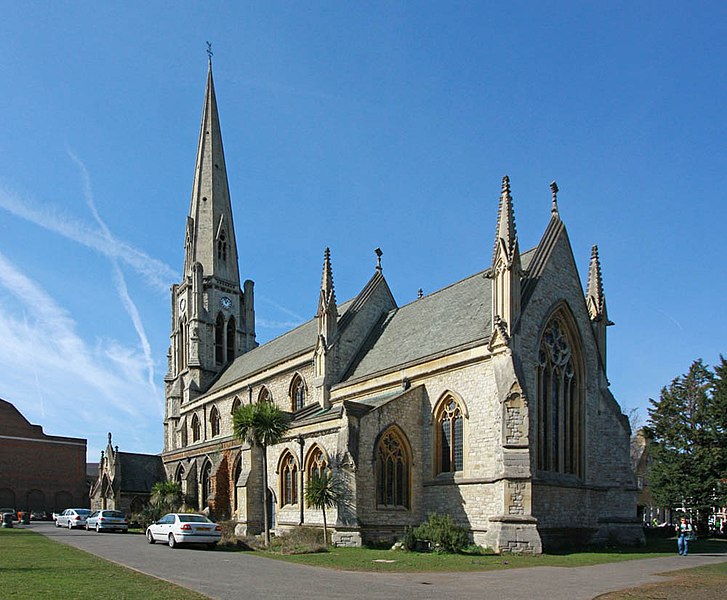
(225,303)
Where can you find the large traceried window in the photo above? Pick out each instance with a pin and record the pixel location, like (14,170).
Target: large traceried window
(297,393)
(288,479)
(393,467)
(215,421)
(449,436)
(560,401)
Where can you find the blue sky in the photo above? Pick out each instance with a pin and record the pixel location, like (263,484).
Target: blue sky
(349,125)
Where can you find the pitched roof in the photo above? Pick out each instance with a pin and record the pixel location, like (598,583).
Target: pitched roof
(449,318)
(140,471)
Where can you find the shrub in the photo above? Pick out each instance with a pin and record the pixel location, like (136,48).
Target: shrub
(444,534)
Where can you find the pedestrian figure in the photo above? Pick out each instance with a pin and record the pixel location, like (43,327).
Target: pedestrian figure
(684,534)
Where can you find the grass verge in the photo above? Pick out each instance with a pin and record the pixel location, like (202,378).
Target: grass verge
(34,566)
(367,559)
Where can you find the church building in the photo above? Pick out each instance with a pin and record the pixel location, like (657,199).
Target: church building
(486,400)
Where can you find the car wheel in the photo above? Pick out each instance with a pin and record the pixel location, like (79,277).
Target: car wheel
(70,524)
(172,541)
(98,528)
(149,537)
(87,527)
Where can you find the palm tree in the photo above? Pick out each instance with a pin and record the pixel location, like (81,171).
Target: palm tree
(166,495)
(323,492)
(261,424)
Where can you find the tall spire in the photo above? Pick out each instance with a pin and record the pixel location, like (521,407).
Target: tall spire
(506,270)
(328,293)
(594,289)
(211,235)
(506,234)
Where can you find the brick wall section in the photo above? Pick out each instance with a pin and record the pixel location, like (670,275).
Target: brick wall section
(41,472)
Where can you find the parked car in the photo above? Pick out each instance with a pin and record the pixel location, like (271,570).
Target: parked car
(39,515)
(7,516)
(102,520)
(73,517)
(184,528)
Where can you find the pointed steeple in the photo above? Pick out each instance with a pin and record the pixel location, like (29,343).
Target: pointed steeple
(596,303)
(325,352)
(506,234)
(506,270)
(210,233)
(594,289)
(327,307)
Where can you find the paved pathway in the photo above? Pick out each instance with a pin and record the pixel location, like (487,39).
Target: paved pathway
(231,575)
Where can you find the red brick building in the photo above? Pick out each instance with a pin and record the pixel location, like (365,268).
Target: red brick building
(39,472)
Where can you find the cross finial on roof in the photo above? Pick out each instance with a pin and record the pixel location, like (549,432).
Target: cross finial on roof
(378,253)
(420,293)
(554,192)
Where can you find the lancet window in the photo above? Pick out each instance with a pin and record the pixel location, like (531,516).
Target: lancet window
(215,421)
(288,479)
(219,339)
(231,327)
(196,429)
(297,393)
(449,438)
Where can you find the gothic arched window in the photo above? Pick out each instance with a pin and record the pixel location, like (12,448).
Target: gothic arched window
(297,393)
(231,330)
(449,435)
(215,421)
(317,464)
(206,482)
(264,395)
(196,429)
(184,434)
(219,338)
(560,401)
(288,479)
(236,403)
(392,471)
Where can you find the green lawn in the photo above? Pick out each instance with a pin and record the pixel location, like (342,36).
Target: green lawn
(33,566)
(365,559)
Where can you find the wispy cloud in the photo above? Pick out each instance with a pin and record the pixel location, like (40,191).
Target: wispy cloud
(157,273)
(119,280)
(297,318)
(40,342)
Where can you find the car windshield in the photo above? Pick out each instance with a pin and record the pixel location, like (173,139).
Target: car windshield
(193,519)
(113,513)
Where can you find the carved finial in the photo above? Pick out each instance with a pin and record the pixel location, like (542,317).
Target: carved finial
(109,438)
(505,184)
(554,192)
(420,293)
(209,51)
(378,253)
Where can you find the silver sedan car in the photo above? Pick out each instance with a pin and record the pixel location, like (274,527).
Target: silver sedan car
(107,520)
(184,528)
(73,517)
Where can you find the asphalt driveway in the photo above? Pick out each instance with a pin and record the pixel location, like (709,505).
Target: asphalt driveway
(233,575)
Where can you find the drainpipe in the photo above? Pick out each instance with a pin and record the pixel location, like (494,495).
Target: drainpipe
(301,442)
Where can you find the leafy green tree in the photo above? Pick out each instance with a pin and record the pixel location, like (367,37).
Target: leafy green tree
(166,496)
(261,424)
(323,492)
(686,431)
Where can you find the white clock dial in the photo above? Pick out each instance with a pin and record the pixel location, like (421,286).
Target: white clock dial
(225,303)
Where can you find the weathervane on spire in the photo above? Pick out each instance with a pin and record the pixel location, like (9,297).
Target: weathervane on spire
(209,51)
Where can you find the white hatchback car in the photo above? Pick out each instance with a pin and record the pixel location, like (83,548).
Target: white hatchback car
(73,517)
(101,520)
(184,528)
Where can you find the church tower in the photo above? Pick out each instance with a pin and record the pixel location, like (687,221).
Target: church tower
(213,317)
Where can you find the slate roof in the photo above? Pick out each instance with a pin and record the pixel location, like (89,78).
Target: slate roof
(140,471)
(296,341)
(452,317)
